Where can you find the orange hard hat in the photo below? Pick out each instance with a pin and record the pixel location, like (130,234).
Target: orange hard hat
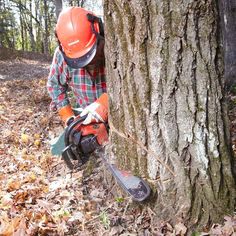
(78,31)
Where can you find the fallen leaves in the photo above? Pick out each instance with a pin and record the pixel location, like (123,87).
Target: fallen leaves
(15,225)
(228,228)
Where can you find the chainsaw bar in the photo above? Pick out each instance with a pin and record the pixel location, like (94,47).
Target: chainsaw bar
(134,186)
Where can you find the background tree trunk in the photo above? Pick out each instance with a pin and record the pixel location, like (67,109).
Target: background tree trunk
(228,13)
(46,29)
(22,27)
(58,5)
(165,80)
(30,29)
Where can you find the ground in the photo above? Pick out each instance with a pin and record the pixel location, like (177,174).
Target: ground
(38,194)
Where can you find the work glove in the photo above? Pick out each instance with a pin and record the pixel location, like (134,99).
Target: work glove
(67,115)
(96,111)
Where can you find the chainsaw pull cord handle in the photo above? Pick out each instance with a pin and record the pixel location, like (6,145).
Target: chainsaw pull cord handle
(71,127)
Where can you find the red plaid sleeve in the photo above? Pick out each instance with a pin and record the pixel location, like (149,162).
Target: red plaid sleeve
(57,81)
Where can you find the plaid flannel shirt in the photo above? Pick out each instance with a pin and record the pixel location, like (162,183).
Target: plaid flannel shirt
(86,87)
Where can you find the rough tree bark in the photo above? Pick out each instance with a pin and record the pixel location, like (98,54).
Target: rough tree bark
(168,115)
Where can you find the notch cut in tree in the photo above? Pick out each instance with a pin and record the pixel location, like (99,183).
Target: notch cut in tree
(165,81)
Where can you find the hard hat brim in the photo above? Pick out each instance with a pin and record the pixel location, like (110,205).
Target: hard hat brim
(83,61)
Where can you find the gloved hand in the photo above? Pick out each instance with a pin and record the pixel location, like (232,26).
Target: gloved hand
(66,113)
(96,111)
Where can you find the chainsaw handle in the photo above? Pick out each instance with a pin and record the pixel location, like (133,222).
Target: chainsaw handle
(71,127)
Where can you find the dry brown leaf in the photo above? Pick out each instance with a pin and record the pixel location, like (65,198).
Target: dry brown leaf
(45,205)
(216,230)
(6,201)
(30,178)
(2,176)
(6,133)
(44,121)
(229,225)
(13,185)
(20,197)
(180,229)
(21,228)
(8,226)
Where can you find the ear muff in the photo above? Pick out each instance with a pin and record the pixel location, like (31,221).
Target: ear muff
(101,27)
(93,19)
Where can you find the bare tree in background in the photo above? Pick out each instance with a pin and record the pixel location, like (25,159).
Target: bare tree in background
(58,6)
(79,3)
(168,114)
(46,28)
(33,29)
(228,13)
(7,26)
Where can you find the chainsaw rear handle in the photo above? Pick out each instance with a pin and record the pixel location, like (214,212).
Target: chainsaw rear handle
(67,153)
(70,128)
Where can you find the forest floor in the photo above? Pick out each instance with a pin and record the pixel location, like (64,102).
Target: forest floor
(38,194)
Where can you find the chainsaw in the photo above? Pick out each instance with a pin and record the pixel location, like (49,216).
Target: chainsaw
(82,140)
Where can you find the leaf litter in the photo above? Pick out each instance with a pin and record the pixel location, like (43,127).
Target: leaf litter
(40,196)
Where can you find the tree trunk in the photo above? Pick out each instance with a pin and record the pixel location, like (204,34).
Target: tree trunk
(30,29)
(22,27)
(46,29)
(2,30)
(228,13)
(58,5)
(38,30)
(168,115)
(80,3)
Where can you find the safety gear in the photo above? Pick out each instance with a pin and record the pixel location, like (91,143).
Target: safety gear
(66,113)
(78,31)
(96,111)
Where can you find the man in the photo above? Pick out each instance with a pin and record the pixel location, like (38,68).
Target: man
(79,65)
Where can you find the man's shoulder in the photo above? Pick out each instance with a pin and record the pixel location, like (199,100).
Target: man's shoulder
(58,52)
(58,56)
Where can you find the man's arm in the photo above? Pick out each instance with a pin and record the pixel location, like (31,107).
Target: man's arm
(57,87)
